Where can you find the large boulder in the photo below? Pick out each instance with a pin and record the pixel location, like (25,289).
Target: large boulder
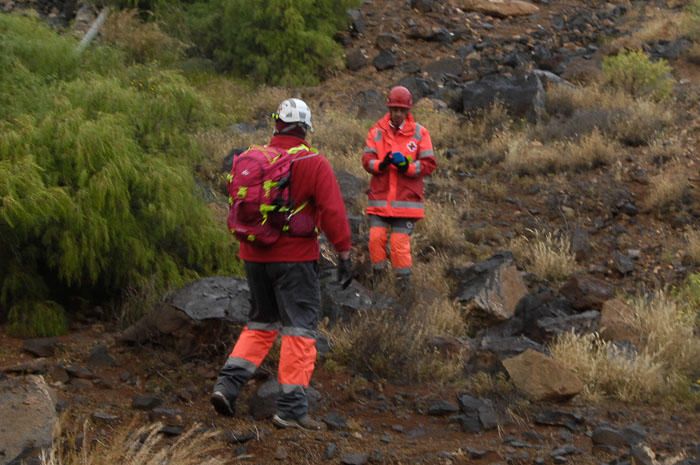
(370,104)
(28,414)
(491,289)
(541,377)
(501,8)
(586,292)
(196,316)
(523,96)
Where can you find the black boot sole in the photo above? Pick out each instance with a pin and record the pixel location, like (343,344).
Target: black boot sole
(221,405)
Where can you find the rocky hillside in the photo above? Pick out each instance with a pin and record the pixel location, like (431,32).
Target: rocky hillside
(561,159)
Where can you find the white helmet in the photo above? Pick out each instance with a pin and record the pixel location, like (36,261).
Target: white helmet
(294,110)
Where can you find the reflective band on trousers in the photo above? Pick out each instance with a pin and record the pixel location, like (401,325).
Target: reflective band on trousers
(242,363)
(377,203)
(301,332)
(402,271)
(258,326)
(288,388)
(405,204)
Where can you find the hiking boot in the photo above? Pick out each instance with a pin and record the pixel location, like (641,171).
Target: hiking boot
(222,405)
(304,422)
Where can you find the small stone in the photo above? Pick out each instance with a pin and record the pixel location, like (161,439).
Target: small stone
(172,430)
(104,416)
(442,407)
(335,421)
(145,402)
(354,459)
(281,453)
(41,347)
(100,357)
(330,451)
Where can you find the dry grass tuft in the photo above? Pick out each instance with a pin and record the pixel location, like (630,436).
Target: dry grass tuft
(667,189)
(591,151)
(546,254)
(525,157)
(136,446)
(445,126)
(577,111)
(338,134)
(143,42)
(693,249)
(382,344)
(659,368)
(439,229)
(665,25)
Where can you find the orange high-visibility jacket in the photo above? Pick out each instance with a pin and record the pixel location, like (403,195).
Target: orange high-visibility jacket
(391,193)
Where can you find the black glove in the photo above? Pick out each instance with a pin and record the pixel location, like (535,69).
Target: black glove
(344,272)
(386,162)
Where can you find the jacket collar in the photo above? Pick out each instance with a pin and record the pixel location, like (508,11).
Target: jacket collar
(408,128)
(286,142)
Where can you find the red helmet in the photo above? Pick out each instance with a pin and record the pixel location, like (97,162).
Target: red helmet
(399,97)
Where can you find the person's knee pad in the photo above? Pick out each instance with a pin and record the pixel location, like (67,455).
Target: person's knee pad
(377,244)
(401,252)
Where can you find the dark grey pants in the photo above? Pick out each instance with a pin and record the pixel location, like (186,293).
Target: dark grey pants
(286,298)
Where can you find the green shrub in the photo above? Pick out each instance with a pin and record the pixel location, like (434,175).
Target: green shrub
(37,319)
(287,42)
(636,74)
(96,179)
(692,19)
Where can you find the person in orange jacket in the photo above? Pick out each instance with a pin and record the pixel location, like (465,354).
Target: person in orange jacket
(398,154)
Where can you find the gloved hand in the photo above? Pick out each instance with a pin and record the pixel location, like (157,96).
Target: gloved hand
(344,272)
(386,162)
(399,161)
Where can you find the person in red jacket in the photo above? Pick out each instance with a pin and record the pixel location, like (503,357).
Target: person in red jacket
(284,280)
(398,154)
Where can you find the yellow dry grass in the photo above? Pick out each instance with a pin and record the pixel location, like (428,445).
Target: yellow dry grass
(546,254)
(658,369)
(385,345)
(133,445)
(692,236)
(667,189)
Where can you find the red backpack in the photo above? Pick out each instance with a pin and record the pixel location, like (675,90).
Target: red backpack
(261,208)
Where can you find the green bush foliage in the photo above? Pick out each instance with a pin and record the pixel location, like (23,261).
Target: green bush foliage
(286,42)
(635,73)
(37,319)
(97,192)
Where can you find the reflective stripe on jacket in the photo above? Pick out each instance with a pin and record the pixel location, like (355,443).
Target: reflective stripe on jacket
(391,193)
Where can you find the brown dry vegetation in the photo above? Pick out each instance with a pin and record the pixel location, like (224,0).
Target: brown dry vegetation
(134,445)
(666,354)
(547,254)
(667,189)
(692,251)
(142,42)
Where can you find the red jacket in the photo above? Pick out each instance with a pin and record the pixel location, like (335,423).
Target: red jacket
(313,180)
(394,194)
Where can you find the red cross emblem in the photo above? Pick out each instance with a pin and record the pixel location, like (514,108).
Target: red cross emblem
(412,146)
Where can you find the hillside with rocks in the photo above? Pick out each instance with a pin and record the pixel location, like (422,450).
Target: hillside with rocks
(555,312)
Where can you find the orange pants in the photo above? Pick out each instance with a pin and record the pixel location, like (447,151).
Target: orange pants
(397,232)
